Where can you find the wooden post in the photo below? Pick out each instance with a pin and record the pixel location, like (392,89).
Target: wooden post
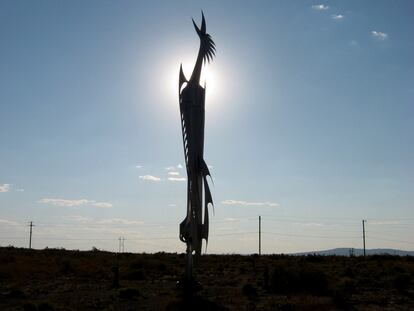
(30,238)
(363,234)
(260,235)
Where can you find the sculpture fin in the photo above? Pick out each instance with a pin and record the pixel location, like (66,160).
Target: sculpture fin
(203,23)
(196,28)
(204,230)
(182,79)
(208,197)
(204,168)
(202,30)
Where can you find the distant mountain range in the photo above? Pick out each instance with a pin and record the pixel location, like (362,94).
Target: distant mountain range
(358,252)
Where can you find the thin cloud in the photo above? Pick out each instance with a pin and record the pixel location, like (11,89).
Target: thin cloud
(174,173)
(104,221)
(149,178)
(246,203)
(353,43)
(78,218)
(231,219)
(74,203)
(4,187)
(120,221)
(173,168)
(8,222)
(379,35)
(64,202)
(308,224)
(384,222)
(102,204)
(138,166)
(177,178)
(320,7)
(338,17)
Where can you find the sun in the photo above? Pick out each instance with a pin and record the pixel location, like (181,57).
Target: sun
(208,79)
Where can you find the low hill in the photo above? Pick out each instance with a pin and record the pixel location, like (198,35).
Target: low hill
(358,252)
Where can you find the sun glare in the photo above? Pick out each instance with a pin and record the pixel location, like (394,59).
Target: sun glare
(208,79)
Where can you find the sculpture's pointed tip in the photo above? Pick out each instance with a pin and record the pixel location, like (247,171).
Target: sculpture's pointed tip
(196,27)
(203,23)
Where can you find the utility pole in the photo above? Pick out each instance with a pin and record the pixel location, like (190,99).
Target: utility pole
(363,233)
(123,244)
(260,235)
(31,225)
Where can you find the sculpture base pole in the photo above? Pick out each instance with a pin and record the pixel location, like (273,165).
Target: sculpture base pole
(188,285)
(189,263)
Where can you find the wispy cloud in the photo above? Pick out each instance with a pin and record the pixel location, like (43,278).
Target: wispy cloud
(9,187)
(246,203)
(353,43)
(74,203)
(149,178)
(231,219)
(102,204)
(8,222)
(177,178)
(104,221)
(4,187)
(338,17)
(78,218)
(173,168)
(174,173)
(384,222)
(308,224)
(379,35)
(63,202)
(320,7)
(120,221)
(138,166)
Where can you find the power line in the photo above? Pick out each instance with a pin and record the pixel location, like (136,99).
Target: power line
(312,236)
(391,240)
(376,227)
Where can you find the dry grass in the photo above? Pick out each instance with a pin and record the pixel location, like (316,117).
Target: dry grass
(71,280)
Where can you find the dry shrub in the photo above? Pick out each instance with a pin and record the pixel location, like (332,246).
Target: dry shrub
(290,280)
(128,293)
(135,275)
(402,282)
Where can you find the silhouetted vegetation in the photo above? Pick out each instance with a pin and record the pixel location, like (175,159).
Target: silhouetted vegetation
(58,279)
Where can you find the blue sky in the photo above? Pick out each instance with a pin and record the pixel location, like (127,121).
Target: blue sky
(309,123)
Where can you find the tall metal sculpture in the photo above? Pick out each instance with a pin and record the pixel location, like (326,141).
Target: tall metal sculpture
(194,228)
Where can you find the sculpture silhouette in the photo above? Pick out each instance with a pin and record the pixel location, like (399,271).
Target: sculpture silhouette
(194,228)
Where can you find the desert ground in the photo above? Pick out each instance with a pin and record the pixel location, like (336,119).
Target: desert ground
(58,279)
